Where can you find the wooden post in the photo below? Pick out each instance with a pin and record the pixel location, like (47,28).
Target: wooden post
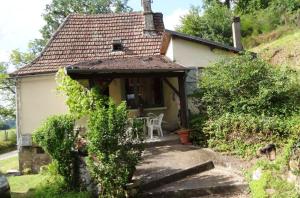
(183,102)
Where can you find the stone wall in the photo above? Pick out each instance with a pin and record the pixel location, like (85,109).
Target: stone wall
(32,158)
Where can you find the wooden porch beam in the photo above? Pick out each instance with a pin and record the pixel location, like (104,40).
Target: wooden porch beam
(183,101)
(171,86)
(124,75)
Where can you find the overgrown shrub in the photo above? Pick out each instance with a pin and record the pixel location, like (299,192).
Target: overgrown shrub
(244,84)
(114,148)
(271,175)
(244,103)
(53,185)
(114,144)
(57,137)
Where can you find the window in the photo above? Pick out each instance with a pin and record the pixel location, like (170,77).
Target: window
(117,45)
(144,92)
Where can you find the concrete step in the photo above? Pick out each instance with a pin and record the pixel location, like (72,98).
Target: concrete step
(160,162)
(169,139)
(218,181)
(145,185)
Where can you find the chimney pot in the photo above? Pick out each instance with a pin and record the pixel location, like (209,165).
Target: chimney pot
(236,33)
(149,28)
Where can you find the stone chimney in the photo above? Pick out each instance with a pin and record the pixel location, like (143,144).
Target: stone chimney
(149,28)
(236,33)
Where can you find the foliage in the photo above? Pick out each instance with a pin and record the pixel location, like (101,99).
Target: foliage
(54,186)
(55,13)
(243,84)
(243,134)
(43,185)
(80,100)
(57,137)
(246,103)
(114,148)
(114,144)
(266,18)
(251,6)
(214,24)
(271,177)
(10,144)
(7,91)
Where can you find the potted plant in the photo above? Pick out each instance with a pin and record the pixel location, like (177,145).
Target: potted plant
(184,135)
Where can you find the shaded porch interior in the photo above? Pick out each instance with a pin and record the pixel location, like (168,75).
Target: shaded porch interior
(158,89)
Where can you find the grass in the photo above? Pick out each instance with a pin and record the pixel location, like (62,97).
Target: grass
(10,144)
(22,184)
(283,51)
(38,186)
(10,163)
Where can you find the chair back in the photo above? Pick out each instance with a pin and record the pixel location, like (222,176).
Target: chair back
(158,120)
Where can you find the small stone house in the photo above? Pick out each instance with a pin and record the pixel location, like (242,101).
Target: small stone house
(131,55)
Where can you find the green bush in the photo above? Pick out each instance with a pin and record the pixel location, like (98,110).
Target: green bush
(271,177)
(243,134)
(245,103)
(248,85)
(114,150)
(53,185)
(57,137)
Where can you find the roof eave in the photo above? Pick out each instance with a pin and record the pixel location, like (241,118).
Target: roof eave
(202,41)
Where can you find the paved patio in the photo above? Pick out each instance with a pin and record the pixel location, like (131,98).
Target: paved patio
(166,160)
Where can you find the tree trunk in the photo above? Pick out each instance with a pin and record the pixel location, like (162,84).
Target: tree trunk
(227,3)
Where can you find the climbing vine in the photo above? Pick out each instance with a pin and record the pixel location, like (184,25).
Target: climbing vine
(114,140)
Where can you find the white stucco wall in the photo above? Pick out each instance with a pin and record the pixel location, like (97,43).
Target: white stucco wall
(192,54)
(37,100)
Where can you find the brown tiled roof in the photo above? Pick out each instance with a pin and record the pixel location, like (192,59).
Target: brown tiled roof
(89,37)
(127,65)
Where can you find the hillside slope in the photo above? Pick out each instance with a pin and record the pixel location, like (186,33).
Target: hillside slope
(283,51)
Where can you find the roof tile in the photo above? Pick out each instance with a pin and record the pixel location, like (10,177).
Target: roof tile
(89,37)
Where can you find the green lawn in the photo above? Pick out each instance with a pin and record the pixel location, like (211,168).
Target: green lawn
(10,163)
(22,184)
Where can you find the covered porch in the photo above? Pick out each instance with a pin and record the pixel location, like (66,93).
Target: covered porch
(148,85)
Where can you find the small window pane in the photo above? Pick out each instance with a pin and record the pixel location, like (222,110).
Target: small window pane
(144,92)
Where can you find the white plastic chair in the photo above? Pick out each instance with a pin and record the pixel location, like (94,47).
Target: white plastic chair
(155,124)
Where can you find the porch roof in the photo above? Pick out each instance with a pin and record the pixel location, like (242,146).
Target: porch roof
(153,64)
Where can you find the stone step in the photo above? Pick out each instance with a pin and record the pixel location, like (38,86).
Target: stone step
(145,185)
(170,139)
(215,182)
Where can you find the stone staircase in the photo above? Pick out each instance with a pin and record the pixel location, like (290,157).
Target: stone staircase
(175,170)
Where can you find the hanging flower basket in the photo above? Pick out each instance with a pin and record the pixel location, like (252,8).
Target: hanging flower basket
(184,136)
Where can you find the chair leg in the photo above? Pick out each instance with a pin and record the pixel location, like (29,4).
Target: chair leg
(150,132)
(161,132)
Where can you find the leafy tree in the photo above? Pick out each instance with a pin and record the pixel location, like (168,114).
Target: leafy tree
(248,6)
(7,90)
(214,24)
(227,3)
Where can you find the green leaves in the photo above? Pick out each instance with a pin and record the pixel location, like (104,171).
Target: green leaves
(214,24)
(114,144)
(243,84)
(57,137)
(114,147)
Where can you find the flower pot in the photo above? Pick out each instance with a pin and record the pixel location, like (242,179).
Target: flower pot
(184,136)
